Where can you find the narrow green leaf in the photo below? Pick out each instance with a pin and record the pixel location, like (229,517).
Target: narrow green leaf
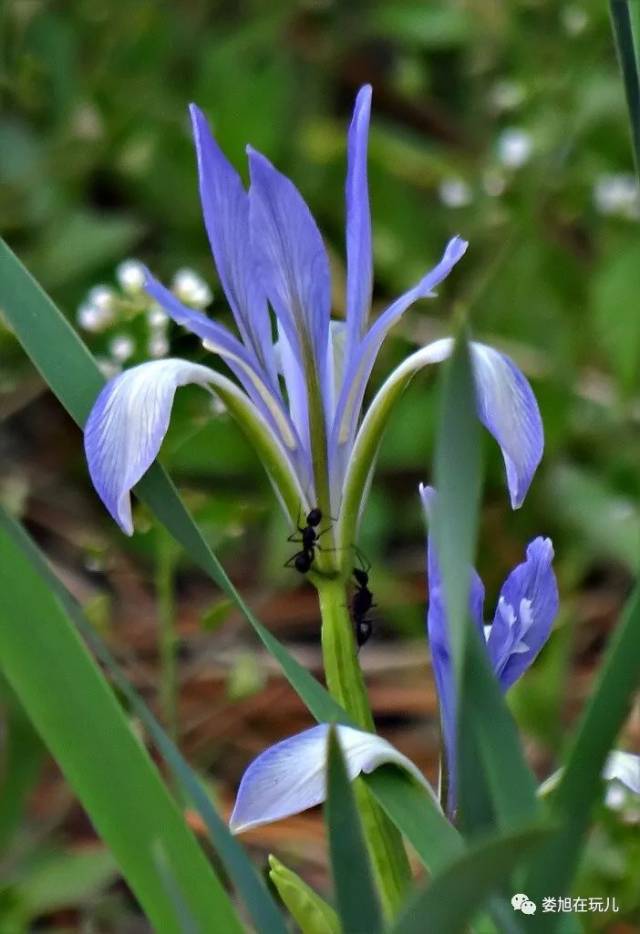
(625,15)
(457,470)
(452,899)
(310,912)
(580,784)
(414,812)
(80,720)
(65,879)
(267,918)
(356,897)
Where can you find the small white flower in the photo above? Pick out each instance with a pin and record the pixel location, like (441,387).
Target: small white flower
(515,146)
(130,276)
(92,319)
(121,347)
(191,288)
(157,319)
(506,95)
(103,297)
(574,19)
(158,346)
(617,195)
(455,193)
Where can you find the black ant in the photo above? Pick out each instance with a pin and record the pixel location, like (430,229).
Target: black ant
(361,603)
(303,559)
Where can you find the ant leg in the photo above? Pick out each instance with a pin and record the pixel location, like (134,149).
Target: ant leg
(364,561)
(290,563)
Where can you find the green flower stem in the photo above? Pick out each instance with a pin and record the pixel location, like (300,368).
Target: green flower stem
(346,684)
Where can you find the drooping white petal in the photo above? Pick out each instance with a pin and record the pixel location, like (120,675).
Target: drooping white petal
(130,418)
(291,776)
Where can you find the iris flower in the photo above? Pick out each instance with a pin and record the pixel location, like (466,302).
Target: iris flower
(299,378)
(289,777)
(527,607)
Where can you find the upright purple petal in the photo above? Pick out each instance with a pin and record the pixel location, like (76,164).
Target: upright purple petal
(507,407)
(225,206)
(126,427)
(526,610)
(359,258)
(292,261)
(240,360)
(359,367)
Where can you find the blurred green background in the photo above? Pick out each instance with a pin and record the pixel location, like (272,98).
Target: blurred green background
(504,122)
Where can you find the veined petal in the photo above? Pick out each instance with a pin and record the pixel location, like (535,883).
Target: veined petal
(361,364)
(527,607)
(219,340)
(507,407)
(359,259)
(225,207)
(127,425)
(291,260)
(291,776)
(130,418)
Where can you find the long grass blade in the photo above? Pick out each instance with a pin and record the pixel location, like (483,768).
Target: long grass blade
(80,720)
(250,887)
(580,785)
(356,897)
(454,897)
(625,16)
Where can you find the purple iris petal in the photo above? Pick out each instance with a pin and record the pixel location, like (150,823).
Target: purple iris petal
(437,630)
(126,427)
(359,259)
(360,366)
(238,358)
(507,407)
(225,206)
(291,776)
(291,261)
(526,610)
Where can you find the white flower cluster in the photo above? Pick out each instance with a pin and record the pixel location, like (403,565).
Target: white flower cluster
(107,309)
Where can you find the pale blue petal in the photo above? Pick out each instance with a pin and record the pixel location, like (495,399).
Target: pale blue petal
(290,777)
(507,407)
(360,365)
(291,260)
(623,767)
(126,427)
(359,258)
(526,610)
(225,207)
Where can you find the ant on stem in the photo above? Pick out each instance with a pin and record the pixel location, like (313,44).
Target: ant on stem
(362,601)
(308,538)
